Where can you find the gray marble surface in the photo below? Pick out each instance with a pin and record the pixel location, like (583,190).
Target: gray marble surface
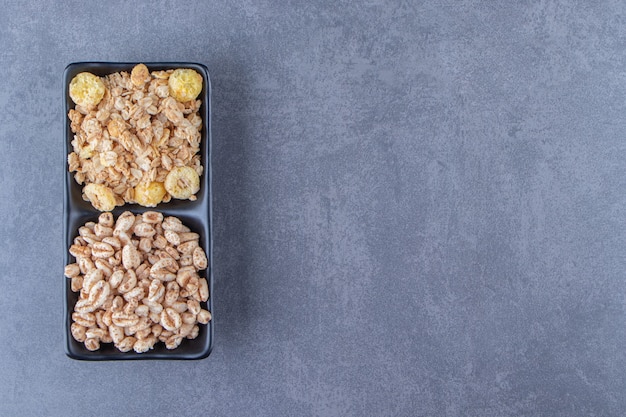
(419,207)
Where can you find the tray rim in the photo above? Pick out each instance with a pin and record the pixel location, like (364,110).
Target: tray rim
(67,211)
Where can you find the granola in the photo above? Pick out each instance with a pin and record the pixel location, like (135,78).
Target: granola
(134,138)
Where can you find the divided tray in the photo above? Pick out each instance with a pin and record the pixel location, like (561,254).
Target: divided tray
(197,215)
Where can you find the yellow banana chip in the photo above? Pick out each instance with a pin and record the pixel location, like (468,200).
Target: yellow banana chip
(182,182)
(86,89)
(149,194)
(185,84)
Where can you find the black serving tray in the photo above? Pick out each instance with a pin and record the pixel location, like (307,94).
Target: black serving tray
(197,215)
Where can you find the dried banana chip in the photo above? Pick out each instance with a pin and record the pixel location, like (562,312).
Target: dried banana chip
(87,89)
(185,84)
(149,194)
(182,182)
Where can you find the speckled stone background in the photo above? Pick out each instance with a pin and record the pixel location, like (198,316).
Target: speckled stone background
(419,207)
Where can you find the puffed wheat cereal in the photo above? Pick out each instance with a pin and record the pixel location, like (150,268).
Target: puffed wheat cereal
(133,291)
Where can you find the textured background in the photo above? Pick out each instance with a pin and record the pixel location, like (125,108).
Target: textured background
(419,207)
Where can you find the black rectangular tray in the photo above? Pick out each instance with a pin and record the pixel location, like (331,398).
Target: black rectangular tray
(197,215)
